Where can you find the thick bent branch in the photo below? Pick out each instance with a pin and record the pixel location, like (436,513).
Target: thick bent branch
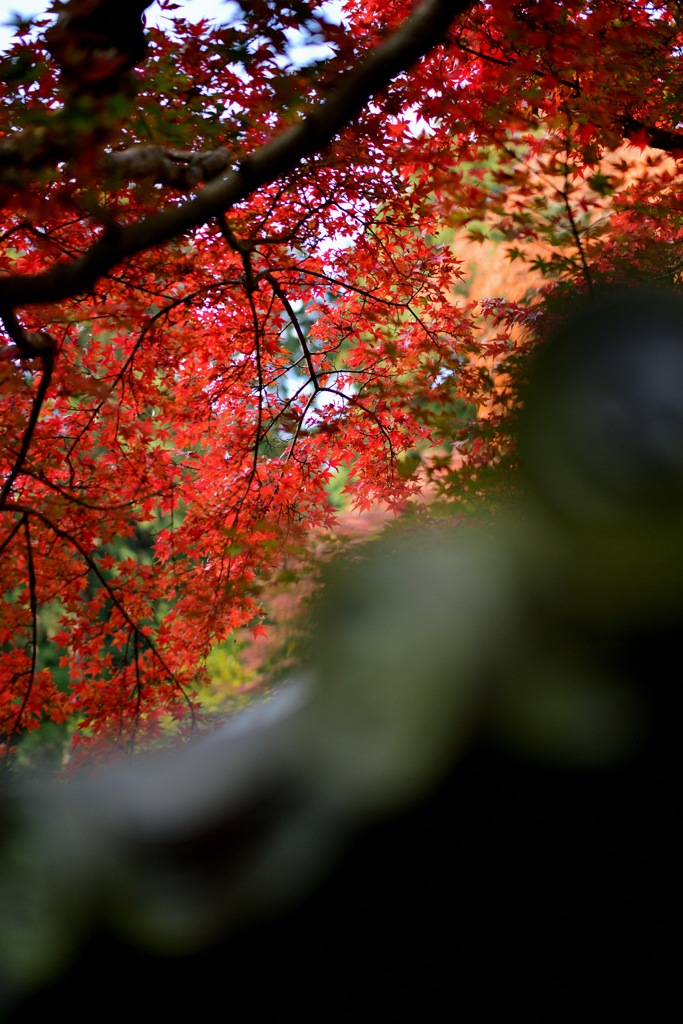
(48,363)
(414,38)
(179,168)
(658,138)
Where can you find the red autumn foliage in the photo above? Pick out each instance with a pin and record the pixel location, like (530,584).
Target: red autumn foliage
(225,276)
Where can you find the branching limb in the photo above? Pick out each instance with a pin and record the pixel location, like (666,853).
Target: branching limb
(483,56)
(277,288)
(259,372)
(10,506)
(12,534)
(27,343)
(579,244)
(173,304)
(670,272)
(70,496)
(243,248)
(250,286)
(368,412)
(299,426)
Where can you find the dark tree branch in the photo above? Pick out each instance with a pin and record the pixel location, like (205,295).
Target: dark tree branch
(368,412)
(11,535)
(179,168)
(173,304)
(42,479)
(411,41)
(47,356)
(579,245)
(275,285)
(34,638)
(299,426)
(259,370)
(11,506)
(658,138)
(484,56)
(244,249)
(29,344)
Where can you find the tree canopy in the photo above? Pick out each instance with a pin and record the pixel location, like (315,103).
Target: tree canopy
(224,276)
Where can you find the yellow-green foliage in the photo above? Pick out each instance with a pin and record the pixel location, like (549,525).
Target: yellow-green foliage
(232,684)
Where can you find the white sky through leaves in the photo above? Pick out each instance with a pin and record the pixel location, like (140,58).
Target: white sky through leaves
(193,10)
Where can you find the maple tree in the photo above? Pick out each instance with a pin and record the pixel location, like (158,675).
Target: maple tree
(225,276)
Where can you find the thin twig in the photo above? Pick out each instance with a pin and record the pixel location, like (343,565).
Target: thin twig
(8,540)
(40,478)
(34,638)
(250,286)
(299,425)
(275,285)
(184,300)
(579,246)
(368,412)
(48,364)
(11,506)
(138,683)
(259,418)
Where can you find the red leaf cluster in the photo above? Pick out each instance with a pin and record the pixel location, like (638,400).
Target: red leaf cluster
(170,441)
